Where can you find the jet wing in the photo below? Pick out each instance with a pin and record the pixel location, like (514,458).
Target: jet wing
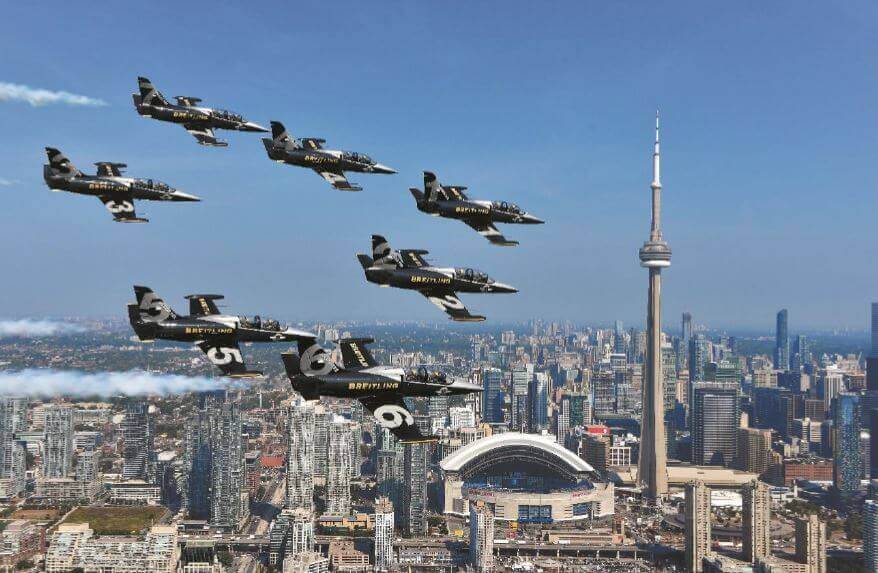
(391,413)
(121,205)
(448,301)
(338,181)
(489,231)
(204,135)
(413,258)
(226,355)
(312,143)
(107,169)
(203,304)
(454,192)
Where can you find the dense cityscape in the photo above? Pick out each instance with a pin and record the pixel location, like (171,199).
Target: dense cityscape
(768,455)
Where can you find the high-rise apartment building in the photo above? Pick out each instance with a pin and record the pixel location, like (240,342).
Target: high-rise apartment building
(756,521)
(847,457)
(521,380)
(12,451)
(870,536)
(383,534)
(481,537)
(138,432)
(698,525)
(338,475)
(58,441)
(414,501)
(811,544)
(300,457)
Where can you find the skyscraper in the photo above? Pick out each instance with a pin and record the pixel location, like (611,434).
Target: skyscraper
(300,458)
(872,359)
(654,255)
(870,535)
(414,501)
(383,534)
(13,452)
(58,441)
(716,415)
(214,462)
(338,474)
(521,380)
(292,533)
(757,520)
(492,397)
(481,537)
(697,525)
(138,432)
(847,460)
(782,342)
(538,396)
(227,485)
(811,543)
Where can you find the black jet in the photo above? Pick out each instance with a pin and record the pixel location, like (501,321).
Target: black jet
(409,270)
(449,201)
(115,191)
(381,389)
(216,334)
(198,120)
(328,163)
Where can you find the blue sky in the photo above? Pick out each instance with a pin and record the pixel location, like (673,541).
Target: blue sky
(769,147)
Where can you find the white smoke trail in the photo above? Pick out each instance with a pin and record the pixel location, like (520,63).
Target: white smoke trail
(48,382)
(8,182)
(27,328)
(38,97)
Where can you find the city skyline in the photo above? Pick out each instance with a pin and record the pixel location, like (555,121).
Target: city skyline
(737,183)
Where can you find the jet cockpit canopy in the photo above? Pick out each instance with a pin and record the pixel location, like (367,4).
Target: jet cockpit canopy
(357,157)
(425,376)
(153,184)
(473,275)
(508,207)
(260,323)
(226,114)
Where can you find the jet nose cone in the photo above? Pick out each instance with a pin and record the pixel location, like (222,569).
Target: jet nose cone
(503,288)
(530,219)
(253,126)
(379,168)
(180,196)
(466,387)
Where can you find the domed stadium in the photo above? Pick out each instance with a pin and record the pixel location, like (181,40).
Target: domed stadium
(526,478)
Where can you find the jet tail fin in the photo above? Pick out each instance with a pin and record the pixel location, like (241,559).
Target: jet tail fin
(279,132)
(145,331)
(365,261)
(300,382)
(59,165)
(150,306)
(149,95)
(431,186)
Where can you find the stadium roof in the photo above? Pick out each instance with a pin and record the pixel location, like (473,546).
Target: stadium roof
(546,445)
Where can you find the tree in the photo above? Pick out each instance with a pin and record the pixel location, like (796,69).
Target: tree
(24,564)
(853,526)
(225,558)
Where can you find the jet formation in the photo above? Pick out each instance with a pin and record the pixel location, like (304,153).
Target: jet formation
(407,269)
(216,334)
(198,120)
(450,202)
(115,191)
(328,163)
(381,389)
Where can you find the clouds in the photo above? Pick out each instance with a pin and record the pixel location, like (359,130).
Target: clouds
(38,97)
(47,382)
(27,328)
(7,182)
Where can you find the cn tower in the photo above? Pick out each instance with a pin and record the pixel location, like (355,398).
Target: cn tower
(652,473)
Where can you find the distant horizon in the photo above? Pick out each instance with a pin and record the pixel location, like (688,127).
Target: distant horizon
(750,332)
